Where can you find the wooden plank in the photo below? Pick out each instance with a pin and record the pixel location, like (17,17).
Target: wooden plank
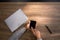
(43,13)
(54,28)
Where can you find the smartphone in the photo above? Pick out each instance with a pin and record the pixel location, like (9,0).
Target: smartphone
(32,24)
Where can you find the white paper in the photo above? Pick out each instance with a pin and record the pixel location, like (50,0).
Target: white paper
(16,20)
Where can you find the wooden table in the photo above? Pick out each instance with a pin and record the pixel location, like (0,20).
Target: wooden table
(43,13)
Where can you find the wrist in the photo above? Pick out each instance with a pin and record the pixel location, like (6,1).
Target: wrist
(39,39)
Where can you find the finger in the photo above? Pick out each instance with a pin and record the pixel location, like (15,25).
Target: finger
(32,30)
(27,25)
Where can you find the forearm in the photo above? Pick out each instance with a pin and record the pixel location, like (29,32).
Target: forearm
(18,34)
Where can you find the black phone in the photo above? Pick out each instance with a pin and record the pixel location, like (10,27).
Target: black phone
(32,24)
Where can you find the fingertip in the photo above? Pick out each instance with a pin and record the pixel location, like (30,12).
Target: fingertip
(31,28)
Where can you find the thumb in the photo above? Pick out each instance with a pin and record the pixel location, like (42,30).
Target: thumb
(33,30)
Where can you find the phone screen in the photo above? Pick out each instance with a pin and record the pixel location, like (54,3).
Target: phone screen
(32,24)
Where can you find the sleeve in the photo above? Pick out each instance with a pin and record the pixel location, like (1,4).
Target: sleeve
(39,39)
(17,34)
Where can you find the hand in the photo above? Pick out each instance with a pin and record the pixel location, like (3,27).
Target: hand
(27,25)
(36,33)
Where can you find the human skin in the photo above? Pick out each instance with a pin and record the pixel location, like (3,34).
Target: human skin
(35,32)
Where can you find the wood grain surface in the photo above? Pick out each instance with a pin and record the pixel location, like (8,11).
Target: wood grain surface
(44,13)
